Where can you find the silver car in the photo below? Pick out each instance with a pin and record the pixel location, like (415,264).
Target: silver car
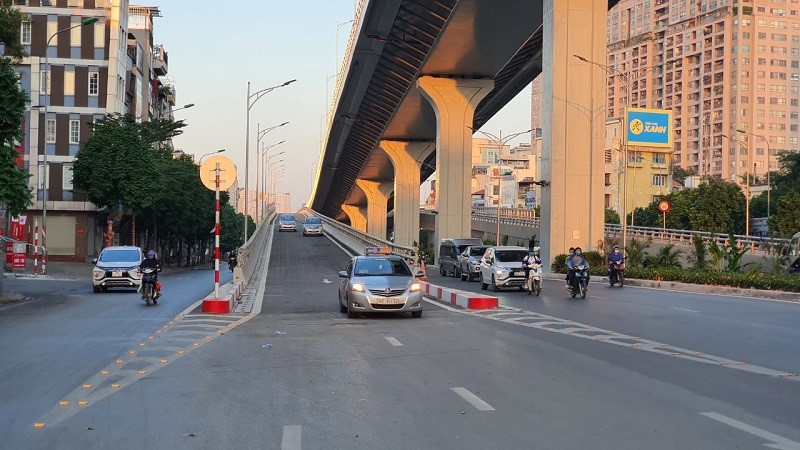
(379,283)
(312,226)
(501,267)
(468,266)
(117,267)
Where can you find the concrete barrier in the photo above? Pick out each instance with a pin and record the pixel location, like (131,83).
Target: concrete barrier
(464,299)
(229,295)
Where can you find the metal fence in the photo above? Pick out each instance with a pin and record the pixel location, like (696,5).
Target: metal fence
(249,253)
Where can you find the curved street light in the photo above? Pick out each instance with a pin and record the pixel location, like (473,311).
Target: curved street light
(46,184)
(209,154)
(251,100)
(500,142)
(769,169)
(259,135)
(186,106)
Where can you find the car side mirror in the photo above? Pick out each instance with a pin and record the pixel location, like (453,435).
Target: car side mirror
(94,260)
(343,274)
(419,273)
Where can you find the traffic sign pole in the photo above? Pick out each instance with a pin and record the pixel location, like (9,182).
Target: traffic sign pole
(216,233)
(223,175)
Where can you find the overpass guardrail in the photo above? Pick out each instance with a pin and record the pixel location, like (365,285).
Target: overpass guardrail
(527,218)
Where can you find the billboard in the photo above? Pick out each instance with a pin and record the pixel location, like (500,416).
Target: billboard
(648,127)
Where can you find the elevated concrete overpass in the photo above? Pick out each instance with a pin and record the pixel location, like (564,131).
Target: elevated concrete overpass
(419,74)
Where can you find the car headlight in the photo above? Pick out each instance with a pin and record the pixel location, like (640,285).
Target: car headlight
(357,287)
(97,273)
(415,287)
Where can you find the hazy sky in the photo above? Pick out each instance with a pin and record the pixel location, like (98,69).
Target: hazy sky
(215,48)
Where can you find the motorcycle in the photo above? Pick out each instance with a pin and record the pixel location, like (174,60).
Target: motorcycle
(534,281)
(149,291)
(232,261)
(580,281)
(616,273)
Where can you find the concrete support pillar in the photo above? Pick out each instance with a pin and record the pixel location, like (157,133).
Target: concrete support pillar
(377,193)
(407,158)
(573,119)
(357,215)
(454,101)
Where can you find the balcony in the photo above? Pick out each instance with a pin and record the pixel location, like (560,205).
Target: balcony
(160,61)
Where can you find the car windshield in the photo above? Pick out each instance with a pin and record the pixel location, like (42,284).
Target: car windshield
(510,255)
(287,218)
(127,255)
(477,251)
(367,267)
(313,221)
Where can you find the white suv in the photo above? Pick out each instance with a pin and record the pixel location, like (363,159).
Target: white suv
(116,267)
(502,267)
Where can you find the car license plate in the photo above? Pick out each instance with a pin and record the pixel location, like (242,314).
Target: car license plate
(519,274)
(389,300)
(116,274)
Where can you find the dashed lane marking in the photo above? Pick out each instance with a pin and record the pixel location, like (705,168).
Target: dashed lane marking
(777,441)
(473,399)
(292,437)
(393,341)
(684,309)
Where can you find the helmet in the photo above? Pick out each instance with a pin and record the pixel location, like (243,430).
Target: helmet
(151,254)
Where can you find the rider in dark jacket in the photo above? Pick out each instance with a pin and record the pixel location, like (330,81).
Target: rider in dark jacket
(152,262)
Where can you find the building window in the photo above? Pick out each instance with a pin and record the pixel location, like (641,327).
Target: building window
(99,35)
(25,33)
(94,83)
(659,158)
(50,131)
(66,178)
(69,82)
(659,180)
(75,37)
(74,131)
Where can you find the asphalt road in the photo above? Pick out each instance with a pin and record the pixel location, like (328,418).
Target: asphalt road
(302,375)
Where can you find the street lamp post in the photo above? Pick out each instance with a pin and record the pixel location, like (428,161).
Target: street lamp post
(46,184)
(746,146)
(186,106)
(500,142)
(209,154)
(264,152)
(251,100)
(623,78)
(259,135)
(769,155)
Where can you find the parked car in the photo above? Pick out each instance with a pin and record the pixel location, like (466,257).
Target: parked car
(449,251)
(117,266)
(287,222)
(468,266)
(501,267)
(312,226)
(379,282)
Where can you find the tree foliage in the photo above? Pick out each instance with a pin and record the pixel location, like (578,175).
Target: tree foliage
(612,216)
(786,219)
(11,19)
(14,190)
(117,167)
(680,174)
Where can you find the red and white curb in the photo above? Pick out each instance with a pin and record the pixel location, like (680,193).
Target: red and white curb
(464,299)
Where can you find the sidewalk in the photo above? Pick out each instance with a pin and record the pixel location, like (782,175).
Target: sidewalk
(56,271)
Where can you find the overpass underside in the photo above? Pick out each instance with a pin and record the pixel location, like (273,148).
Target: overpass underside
(421,75)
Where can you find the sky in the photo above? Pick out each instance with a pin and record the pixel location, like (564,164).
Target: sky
(214,50)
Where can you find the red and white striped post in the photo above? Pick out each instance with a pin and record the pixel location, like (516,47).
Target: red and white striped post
(36,246)
(44,250)
(216,305)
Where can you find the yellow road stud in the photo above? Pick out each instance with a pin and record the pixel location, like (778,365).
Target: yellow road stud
(87,386)
(83,403)
(119,361)
(38,425)
(115,386)
(63,403)
(142,372)
(163,361)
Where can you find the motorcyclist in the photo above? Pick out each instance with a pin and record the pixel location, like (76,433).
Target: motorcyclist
(614,258)
(531,258)
(573,261)
(568,263)
(151,261)
(232,260)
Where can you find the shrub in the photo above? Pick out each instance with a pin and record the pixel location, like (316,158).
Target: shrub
(755,280)
(595,259)
(559,264)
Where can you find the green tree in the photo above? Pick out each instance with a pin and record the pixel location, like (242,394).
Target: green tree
(785,219)
(612,216)
(117,167)
(719,208)
(14,190)
(11,19)
(232,225)
(636,252)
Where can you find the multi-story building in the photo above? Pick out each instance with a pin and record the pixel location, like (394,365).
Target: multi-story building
(720,66)
(102,68)
(282,201)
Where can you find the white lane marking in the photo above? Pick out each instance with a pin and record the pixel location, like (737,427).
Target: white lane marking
(779,442)
(684,309)
(326,281)
(473,399)
(292,435)
(393,341)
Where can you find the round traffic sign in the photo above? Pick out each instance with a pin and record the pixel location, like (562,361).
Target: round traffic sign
(663,206)
(227,172)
